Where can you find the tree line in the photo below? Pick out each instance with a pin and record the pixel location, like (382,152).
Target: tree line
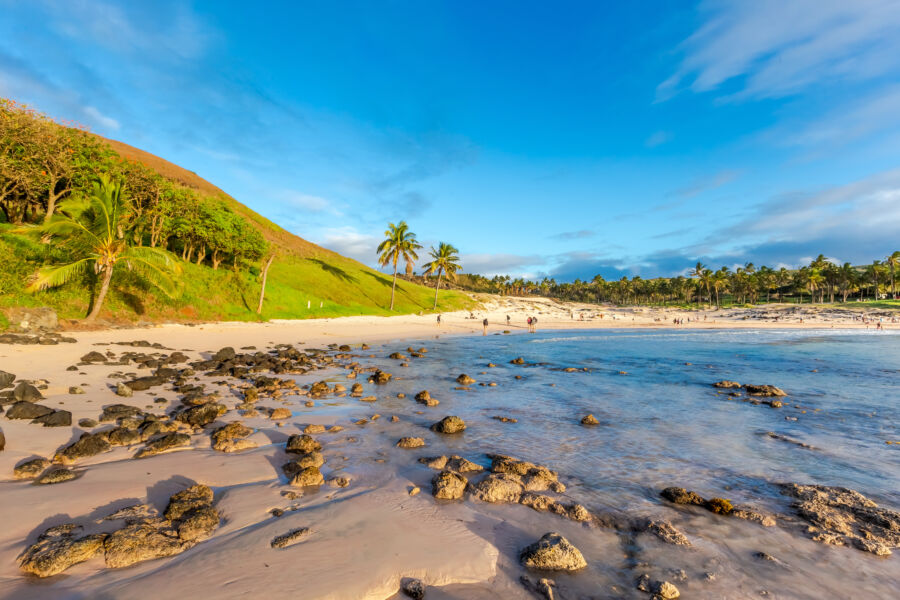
(749,284)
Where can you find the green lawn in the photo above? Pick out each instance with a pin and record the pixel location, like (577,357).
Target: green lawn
(331,286)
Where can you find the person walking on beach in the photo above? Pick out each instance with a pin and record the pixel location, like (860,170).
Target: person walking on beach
(534,325)
(485,323)
(507,320)
(529,324)
(439,320)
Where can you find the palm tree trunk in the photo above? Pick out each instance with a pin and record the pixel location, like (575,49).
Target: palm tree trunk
(104,287)
(393,285)
(436,288)
(262,290)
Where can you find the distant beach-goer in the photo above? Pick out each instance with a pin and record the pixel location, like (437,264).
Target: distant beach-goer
(485,323)
(534,325)
(507,320)
(439,320)
(529,324)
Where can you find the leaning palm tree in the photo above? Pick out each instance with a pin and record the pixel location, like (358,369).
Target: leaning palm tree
(893,261)
(444,259)
(399,242)
(92,230)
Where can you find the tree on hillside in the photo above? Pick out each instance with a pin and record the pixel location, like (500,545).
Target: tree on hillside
(698,273)
(399,243)
(893,261)
(444,259)
(92,230)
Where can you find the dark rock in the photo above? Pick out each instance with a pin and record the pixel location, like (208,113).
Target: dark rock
(94,357)
(57,418)
(89,444)
(517,361)
(764,390)
(123,436)
(87,423)
(25,392)
(56,476)
(727,384)
(76,390)
(27,410)
(203,415)
(464,379)
(294,536)
(414,588)
(308,477)
(122,389)
(140,541)
(230,438)
(589,420)
(162,444)
(192,513)
(380,377)
(552,552)
(114,412)
(681,496)
(144,383)
(30,468)
(226,353)
(6,380)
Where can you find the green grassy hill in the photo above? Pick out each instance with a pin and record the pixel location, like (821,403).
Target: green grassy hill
(304,281)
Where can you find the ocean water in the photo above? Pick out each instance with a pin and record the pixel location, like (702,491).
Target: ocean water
(663,424)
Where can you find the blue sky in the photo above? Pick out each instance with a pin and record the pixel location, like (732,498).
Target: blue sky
(563,139)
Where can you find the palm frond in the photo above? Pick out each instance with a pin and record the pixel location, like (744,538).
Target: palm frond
(156,265)
(55,276)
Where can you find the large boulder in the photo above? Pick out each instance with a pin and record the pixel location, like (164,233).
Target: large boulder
(231,438)
(226,353)
(200,416)
(162,444)
(307,477)
(552,552)
(192,513)
(302,444)
(25,392)
(57,418)
(114,412)
(94,357)
(27,410)
(6,380)
(36,319)
(30,468)
(499,488)
(140,541)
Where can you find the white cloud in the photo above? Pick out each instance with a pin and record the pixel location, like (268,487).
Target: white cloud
(308,202)
(658,138)
(498,264)
(350,242)
(779,48)
(101,119)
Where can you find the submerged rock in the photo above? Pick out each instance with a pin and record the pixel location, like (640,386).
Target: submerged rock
(59,548)
(552,552)
(681,496)
(464,379)
(451,463)
(410,442)
(764,390)
(842,516)
(589,420)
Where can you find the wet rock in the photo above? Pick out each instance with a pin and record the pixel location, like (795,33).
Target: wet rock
(681,496)
(27,410)
(319,388)
(413,588)
(25,392)
(307,477)
(339,482)
(542,587)
(720,506)
(727,384)
(665,590)
(314,428)
(203,415)
(541,503)
(89,444)
(380,377)
(448,485)
(764,390)
(397,356)
(589,420)
(552,552)
(57,418)
(76,390)
(449,424)
(302,444)
(842,516)
(410,442)
(123,390)
(280,413)
(294,536)
(451,463)
(464,379)
(231,438)
(304,461)
(503,419)
(424,397)
(536,478)
(356,390)
(666,532)
(499,488)
(162,444)
(517,361)
(748,514)
(94,357)
(59,548)
(56,476)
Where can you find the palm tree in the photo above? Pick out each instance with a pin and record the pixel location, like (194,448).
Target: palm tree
(399,242)
(893,261)
(698,273)
(93,231)
(444,259)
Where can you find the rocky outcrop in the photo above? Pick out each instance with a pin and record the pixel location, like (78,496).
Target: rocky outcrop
(552,552)
(164,443)
(454,463)
(27,410)
(203,415)
(302,444)
(58,475)
(842,516)
(30,468)
(294,536)
(89,444)
(59,548)
(498,488)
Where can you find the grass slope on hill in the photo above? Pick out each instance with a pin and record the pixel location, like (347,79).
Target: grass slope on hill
(304,281)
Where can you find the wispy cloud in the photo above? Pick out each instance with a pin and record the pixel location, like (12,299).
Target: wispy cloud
(581,234)
(658,138)
(772,48)
(704,184)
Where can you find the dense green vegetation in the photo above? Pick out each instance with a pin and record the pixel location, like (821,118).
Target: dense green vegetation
(820,281)
(53,181)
